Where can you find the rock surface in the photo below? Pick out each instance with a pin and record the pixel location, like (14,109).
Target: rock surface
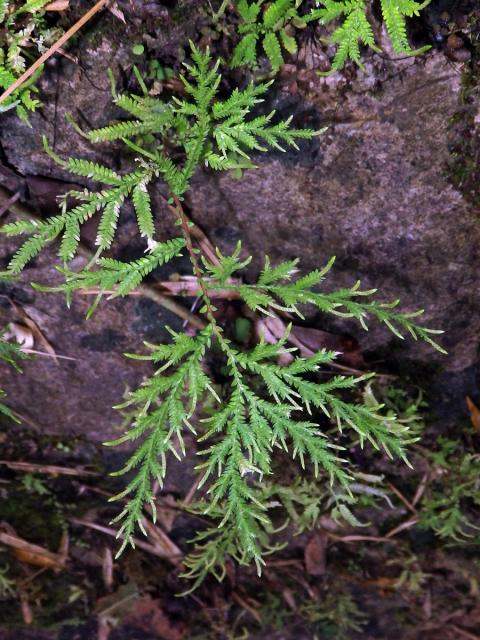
(374,190)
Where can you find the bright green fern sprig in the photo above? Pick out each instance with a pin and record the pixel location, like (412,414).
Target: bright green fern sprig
(356,28)
(117,277)
(269,27)
(10,352)
(204,128)
(165,403)
(452,498)
(279,288)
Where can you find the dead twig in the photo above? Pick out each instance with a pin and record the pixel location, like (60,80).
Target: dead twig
(162,541)
(107,567)
(47,355)
(421,489)
(30,467)
(246,606)
(401,527)
(6,206)
(462,633)
(356,538)
(154,550)
(186,287)
(401,497)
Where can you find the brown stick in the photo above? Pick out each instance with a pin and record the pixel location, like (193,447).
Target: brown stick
(400,495)
(53,470)
(178,210)
(154,549)
(54,48)
(401,527)
(48,558)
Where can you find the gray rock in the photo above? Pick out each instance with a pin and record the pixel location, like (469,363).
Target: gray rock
(374,190)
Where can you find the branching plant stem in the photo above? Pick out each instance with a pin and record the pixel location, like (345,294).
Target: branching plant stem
(209,310)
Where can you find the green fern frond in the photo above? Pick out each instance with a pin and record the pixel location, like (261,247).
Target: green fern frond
(279,289)
(270,31)
(6,77)
(118,131)
(70,239)
(166,402)
(263,405)
(121,277)
(245,53)
(272,48)
(11,353)
(277,11)
(270,28)
(209,130)
(107,225)
(143,209)
(31,6)
(92,170)
(394,13)
(355,29)
(3,9)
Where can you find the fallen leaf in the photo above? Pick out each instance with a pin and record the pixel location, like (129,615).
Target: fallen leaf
(316,554)
(21,334)
(474,414)
(150,618)
(118,13)
(309,341)
(57,5)
(34,327)
(36,559)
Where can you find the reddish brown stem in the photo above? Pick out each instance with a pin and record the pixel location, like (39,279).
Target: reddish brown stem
(195,264)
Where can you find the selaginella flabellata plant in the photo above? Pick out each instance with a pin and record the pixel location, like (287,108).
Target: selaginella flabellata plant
(265,406)
(23,30)
(273,26)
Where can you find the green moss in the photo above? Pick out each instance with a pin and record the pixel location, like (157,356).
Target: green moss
(463,136)
(37,518)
